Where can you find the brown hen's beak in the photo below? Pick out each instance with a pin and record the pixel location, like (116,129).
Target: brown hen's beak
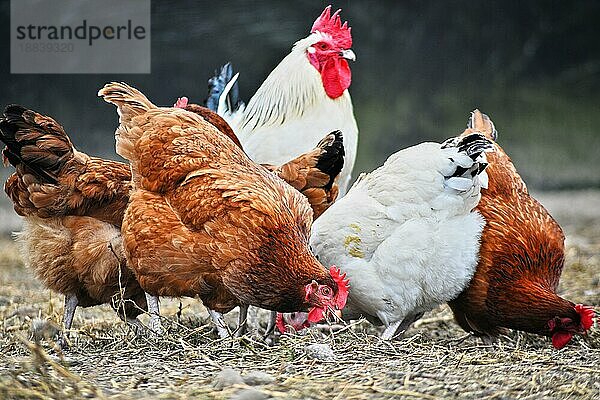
(333,313)
(348,55)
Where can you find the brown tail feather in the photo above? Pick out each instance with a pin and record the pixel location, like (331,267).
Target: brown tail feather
(52,178)
(315,173)
(479,122)
(130,102)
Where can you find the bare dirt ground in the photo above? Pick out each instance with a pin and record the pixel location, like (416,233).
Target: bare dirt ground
(435,359)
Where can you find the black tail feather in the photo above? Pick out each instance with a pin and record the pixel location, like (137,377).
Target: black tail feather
(42,149)
(473,144)
(9,126)
(331,161)
(216,86)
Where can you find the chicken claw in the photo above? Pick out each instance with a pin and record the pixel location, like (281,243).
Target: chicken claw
(154,324)
(71,302)
(219,322)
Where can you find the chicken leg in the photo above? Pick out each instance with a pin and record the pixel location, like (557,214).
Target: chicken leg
(219,322)
(271,324)
(154,310)
(71,302)
(242,321)
(397,328)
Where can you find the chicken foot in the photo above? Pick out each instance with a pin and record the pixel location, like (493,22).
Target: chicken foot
(153,309)
(71,302)
(242,321)
(271,324)
(219,322)
(137,326)
(397,328)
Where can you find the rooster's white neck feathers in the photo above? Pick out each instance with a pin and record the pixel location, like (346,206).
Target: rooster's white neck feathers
(290,90)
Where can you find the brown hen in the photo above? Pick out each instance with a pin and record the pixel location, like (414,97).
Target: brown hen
(204,220)
(520,260)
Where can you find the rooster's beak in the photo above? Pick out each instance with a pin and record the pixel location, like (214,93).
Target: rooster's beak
(348,55)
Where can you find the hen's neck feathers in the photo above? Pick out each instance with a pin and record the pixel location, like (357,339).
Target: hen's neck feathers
(536,302)
(289,91)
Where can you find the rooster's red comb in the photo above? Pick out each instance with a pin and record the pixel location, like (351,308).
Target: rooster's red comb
(343,285)
(332,25)
(587,314)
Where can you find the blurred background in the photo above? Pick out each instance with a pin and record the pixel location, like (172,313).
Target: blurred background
(421,67)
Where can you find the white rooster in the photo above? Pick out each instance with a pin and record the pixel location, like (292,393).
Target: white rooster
(303,98)
(406,234)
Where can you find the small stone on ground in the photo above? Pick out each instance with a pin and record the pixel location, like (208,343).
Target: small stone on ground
(319,351)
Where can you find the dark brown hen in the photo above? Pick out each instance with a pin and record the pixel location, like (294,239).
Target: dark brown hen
(520,260)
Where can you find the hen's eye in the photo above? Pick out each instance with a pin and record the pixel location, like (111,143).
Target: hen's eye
(325,291)
(323,46)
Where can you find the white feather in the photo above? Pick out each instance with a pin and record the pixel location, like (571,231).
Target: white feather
(222,108)
(406,241)
(290,113)
(483,180)
(459,183)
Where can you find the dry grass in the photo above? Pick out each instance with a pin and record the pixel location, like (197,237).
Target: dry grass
(435,360)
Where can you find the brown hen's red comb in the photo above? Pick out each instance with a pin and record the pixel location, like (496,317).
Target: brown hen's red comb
(587,314)
(332,25)
(182,102)
(343,286)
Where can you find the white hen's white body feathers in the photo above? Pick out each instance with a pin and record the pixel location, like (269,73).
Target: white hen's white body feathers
(407,240)
(290,113)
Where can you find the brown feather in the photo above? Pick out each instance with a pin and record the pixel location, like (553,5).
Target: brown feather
(205,220)
(215,120)
(521,255)
(71,256)
(315,173)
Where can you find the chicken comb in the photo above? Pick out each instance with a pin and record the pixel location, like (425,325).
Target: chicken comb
(332,26)
(587,314)
(181,102)
(343,285)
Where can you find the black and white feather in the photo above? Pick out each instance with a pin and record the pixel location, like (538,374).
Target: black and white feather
(223,91)
(470,162)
